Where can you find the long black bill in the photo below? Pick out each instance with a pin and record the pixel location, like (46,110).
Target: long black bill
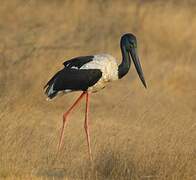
(137,64)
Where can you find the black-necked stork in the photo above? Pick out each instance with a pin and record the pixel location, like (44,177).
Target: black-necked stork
(90,74)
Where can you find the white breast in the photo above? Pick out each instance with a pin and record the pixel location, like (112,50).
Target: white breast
(108,66)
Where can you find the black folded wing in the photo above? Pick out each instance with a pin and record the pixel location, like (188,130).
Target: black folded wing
(78,62)
(72,80)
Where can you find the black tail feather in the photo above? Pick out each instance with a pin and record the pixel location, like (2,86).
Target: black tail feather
(50,82)
(51,93)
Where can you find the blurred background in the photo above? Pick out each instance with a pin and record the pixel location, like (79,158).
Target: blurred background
(136,133)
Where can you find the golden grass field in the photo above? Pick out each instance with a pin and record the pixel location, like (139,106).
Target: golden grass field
(136,133)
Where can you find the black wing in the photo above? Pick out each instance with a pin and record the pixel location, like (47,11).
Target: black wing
(72,80)
(78,61)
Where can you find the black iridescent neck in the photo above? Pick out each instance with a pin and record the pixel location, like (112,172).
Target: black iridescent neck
(125,65)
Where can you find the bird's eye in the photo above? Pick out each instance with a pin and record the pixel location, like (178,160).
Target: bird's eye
(132,45)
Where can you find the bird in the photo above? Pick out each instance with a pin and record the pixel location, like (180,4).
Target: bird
(90,74)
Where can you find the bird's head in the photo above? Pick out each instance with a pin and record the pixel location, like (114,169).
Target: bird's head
(129,43)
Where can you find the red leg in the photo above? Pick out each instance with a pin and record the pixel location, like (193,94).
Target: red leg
(86,125)
(65,118)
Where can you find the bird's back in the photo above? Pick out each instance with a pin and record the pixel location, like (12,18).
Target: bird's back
(83,73)
(106,63)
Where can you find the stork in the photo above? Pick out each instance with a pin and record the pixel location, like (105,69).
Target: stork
(90,74)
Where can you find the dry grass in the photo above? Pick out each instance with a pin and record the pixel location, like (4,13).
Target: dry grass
(136,133)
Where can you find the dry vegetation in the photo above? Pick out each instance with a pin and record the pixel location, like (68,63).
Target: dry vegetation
(136,133)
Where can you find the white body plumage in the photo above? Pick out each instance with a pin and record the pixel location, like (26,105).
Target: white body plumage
(107,65)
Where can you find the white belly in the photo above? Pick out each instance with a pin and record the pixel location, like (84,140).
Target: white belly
(109,68)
